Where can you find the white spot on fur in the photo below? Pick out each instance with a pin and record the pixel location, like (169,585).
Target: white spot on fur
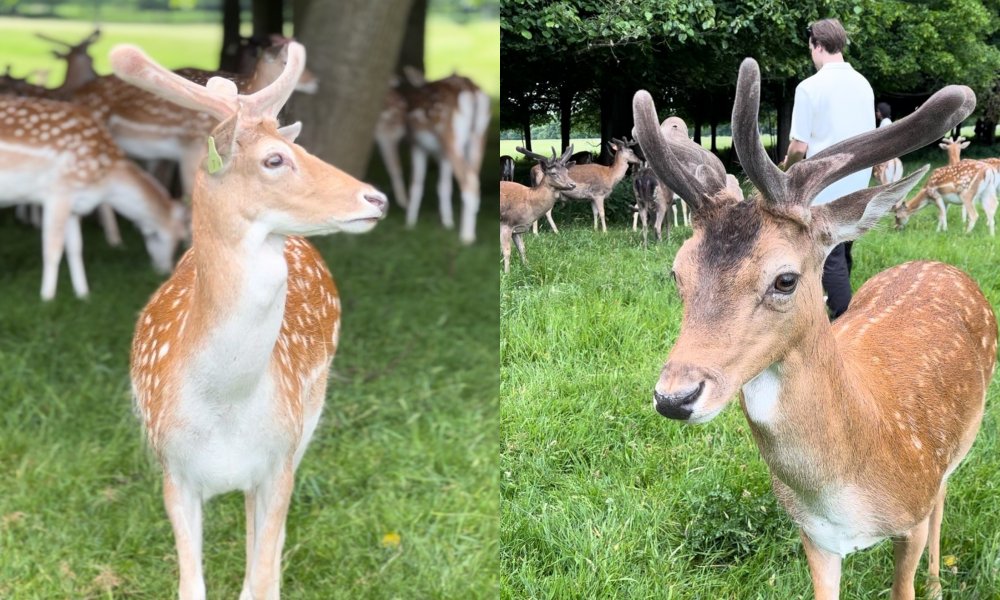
(760,395)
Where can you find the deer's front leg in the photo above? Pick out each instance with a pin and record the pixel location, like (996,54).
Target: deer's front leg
(110,225)
(552,223)
(906,555)
(270,510)
(418,165)
(824,567)
(184,509)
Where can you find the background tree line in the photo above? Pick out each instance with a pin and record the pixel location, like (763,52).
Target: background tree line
(578,62)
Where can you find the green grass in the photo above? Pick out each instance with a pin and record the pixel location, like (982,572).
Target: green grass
(407,444)
(601,497)
(470,48)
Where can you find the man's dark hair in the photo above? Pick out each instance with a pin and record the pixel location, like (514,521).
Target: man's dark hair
(884,109)
(829,34)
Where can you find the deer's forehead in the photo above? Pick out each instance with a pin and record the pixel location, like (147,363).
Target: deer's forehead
(741,237)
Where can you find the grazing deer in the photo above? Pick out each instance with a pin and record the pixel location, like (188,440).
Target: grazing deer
(967,183)
(231,356)
(595,182)
(860,438)
(520,206)
(54,155)
(446,119)
(506,168)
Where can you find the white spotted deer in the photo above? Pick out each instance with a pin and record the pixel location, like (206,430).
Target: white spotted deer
(446,119)
(860,438)
(230,358)
(520,206)
(967,183)
(53,154)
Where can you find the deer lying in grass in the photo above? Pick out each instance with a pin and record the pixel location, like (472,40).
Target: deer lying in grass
(54,155)
(231,356)
(967,183)
(860,438)
(595,182)
(520,206)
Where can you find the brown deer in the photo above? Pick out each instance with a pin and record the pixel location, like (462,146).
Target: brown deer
(56,156)
(650,200)
(595,182)
(520,206)
(860,438)
(506,168)
(665,196)
(231,356)
(954,147)
(888,172)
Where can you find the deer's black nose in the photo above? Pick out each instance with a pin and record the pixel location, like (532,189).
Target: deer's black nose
(678,404)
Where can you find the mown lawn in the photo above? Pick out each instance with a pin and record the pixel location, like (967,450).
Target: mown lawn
(601,497)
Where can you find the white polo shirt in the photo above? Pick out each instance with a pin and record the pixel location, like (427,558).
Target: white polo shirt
(834,104)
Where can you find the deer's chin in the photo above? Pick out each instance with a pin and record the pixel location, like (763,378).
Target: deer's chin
(709,407)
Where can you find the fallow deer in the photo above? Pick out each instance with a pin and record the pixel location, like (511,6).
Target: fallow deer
(535,176)
(860,438)
(664,195)
(595,182)
(150,128)
(506,168)
(954,147)
(967,183)
(888,172)
(231,356)
(55,155)
(446,119)
(520,206)
(650,200)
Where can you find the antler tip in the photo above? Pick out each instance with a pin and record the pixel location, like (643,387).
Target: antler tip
(126,59)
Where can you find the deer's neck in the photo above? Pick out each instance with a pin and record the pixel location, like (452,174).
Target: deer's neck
(807,408)
(617,169)
(543,197)
(239,298)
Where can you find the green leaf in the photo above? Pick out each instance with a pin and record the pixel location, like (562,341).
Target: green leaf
(526,34)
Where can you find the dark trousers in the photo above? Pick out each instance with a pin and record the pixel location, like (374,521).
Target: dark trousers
(837,279)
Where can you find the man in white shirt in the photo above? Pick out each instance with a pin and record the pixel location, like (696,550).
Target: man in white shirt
(831,106)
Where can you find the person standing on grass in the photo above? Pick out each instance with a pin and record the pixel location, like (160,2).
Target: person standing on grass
(831,106)
(883,114)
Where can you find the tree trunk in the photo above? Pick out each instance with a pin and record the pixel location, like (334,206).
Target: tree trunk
(230,56)
(697,130)
(715,127)
(607,117)
(565,109)
(527,131)
(411,53)
(786,101)
(268,17)
(353,46)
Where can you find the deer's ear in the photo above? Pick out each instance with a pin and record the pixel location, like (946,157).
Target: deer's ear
(848,217)
(291,132)
(965,145)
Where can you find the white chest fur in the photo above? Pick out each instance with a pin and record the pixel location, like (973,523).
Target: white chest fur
(760,396)
(841,522)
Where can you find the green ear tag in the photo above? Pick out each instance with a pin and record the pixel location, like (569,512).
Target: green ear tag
(214,160)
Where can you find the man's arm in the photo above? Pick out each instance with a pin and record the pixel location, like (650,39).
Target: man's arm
(796,152)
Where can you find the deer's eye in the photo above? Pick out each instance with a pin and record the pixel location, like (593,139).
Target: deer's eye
(785,283)
(273,161)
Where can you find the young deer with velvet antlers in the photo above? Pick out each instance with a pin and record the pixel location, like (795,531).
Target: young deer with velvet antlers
(860,438)
(231,355)
(520,206)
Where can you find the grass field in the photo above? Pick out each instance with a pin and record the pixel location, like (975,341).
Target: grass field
(601,497)
(471,48)
(407,445)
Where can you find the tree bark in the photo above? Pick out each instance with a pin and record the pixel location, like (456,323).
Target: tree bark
(786,101)
(411,53)
(697,130)
(230,55)
(527,131)
(566,94)
(353,46)
(268,17)
(715,127)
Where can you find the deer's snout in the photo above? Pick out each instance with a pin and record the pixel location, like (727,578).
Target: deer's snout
(378,200)
(678,404)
